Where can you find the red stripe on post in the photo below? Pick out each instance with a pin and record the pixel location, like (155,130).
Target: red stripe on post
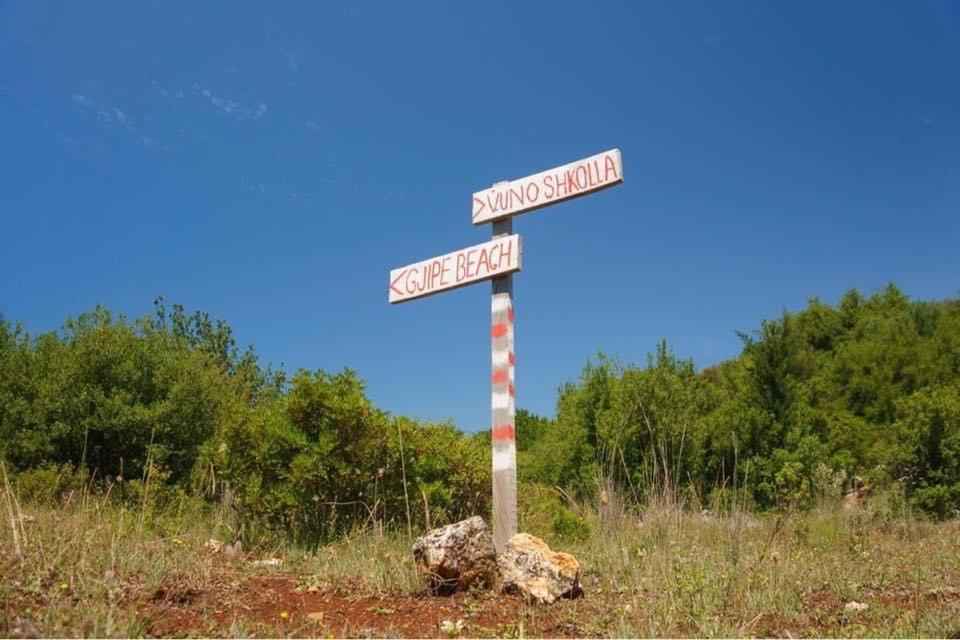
(510,314)
(504,432)
(499,376)
(511,390)
(499,330)
(511,358)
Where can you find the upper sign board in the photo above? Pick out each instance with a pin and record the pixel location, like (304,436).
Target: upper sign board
(473,264)
(548,187)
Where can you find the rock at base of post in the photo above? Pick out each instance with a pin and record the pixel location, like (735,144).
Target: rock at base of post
(456,557)
(527,566)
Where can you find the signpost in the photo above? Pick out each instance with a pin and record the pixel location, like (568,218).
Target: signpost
(498,260)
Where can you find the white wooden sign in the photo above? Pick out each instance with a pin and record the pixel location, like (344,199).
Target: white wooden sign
(498,257)
(548,187)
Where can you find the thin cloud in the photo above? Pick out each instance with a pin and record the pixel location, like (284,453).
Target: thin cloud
(82,100)
(114,120)
(231,107)
(294,60)
(68,140)
(250,185)
(173,95)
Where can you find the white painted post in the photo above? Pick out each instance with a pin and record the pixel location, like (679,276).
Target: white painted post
(503,403)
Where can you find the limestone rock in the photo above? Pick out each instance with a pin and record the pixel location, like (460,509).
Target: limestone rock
(527,566)
(855,607)
(457,556)
(233,550)
(856,498)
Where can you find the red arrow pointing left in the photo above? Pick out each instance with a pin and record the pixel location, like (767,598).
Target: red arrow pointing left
(393,284)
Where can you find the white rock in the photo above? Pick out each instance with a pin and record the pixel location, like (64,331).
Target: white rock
(855,607)
(450,628)
(269,562)
(457,556)
(527,566)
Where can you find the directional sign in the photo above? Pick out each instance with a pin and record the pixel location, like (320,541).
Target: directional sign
(473,264)
(548,187)
(497,260)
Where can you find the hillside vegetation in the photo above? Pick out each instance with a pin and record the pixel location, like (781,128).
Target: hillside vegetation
(166,408)
(157,480)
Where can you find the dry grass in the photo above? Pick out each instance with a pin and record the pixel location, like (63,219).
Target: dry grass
(675,573)
(88,569)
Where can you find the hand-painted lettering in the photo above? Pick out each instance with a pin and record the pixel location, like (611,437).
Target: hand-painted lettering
(576,178)
(497,257)
(446,269)
(609,169)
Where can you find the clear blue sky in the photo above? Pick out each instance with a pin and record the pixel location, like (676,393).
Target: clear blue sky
(270,162)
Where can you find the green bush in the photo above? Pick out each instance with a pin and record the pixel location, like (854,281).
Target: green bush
(322,460)
(108,396)
(921,449)
(154,410)
(543,513)
(865,388)
(51,484)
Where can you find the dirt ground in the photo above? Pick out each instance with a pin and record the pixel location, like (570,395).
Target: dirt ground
(276,605)
(234,602)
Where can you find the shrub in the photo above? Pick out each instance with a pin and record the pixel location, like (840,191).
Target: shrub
(50,484)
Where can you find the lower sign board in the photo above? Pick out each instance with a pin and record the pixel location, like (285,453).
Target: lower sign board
(466,266)
(548,187)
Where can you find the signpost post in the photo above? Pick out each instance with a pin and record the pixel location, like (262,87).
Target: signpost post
(497,260)
(503,403)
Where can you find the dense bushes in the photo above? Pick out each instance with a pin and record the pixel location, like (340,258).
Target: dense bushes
(867,388)
(106,395)
(321,459)
(169,400)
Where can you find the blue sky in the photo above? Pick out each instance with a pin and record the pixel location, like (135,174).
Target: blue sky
(270,163)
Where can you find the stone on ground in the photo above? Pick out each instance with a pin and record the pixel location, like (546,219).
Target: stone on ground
(856,498)
(457,556)
(855,607)
(527,566)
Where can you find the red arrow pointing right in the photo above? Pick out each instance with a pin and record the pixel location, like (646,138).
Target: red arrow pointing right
(476,211)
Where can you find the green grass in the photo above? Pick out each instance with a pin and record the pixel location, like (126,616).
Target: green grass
(94,568)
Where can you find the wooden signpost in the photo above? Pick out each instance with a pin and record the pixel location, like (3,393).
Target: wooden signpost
(498,260)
